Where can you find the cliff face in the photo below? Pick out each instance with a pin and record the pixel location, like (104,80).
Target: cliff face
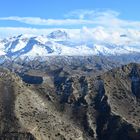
(71,107)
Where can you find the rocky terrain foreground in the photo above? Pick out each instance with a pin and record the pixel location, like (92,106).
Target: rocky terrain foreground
(65,106)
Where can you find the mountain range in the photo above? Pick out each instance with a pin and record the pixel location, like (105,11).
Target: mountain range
(65,43)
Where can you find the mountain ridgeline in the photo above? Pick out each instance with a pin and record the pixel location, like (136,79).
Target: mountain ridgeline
(66,43)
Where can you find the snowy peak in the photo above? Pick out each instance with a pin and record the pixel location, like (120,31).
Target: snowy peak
(58,35)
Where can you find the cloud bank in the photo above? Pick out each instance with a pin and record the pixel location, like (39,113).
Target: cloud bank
(106,18)
(79,18)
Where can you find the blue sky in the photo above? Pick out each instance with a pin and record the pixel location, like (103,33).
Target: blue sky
(57,8)
(42,14)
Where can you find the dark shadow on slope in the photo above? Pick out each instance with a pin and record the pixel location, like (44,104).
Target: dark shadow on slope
(31,79)
(17,136)
(135,81)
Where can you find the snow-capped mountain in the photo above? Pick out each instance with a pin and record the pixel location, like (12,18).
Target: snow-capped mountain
(58,34)
(93,42)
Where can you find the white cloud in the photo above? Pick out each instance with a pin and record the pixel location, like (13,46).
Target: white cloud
(79,18)
(93,18)
(13,31)
(107,18)
(91,14)
(48,22)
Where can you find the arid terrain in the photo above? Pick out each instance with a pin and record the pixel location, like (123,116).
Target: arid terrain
(69,103)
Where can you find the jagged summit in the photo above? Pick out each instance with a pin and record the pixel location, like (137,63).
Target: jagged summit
(58,34)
